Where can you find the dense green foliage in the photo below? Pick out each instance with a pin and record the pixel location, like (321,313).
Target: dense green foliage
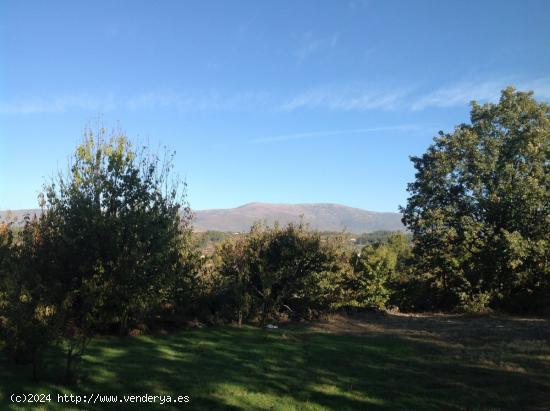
(377,237)
(479,210)
(106,250)
(208,239)
(275,268)
(382,268)
(291,272)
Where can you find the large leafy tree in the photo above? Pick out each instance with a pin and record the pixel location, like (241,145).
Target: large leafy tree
(479,209)
(123,225)
(108,248)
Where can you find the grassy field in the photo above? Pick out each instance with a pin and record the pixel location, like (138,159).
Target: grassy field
(385,362)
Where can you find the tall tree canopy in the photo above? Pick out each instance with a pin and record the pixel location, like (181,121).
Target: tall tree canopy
(122,221)
(108,248)
(479,209)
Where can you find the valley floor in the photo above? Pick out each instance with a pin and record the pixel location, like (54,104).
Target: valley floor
(371,361)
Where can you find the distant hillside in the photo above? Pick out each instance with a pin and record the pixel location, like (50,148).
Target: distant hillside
(324,217)
(18,215)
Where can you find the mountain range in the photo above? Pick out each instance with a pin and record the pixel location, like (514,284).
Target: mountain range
(320,216)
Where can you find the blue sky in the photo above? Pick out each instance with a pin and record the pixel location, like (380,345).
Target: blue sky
(274,101)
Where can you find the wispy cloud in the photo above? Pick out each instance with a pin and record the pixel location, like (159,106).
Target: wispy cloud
(347,98)
(59,104)
(111,31)
(364,97)
(310,44)
(333,133)
(145,101)
(540,87)
(355,4)
(460,94)
(198,102)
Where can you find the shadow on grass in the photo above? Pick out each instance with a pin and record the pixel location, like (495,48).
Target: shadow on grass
(285,369)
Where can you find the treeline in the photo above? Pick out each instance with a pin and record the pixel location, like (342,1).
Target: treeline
(208,240)
(112,251)
(376,237)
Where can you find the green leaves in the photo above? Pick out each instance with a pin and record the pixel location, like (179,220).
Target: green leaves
(274,269)
(481,197)
(105,252)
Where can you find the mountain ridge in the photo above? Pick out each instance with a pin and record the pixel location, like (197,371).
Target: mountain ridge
(319,216)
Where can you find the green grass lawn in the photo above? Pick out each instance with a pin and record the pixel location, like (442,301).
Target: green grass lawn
(375,362)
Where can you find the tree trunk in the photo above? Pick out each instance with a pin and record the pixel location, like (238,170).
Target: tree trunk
(264,313)
(69,365)
(35,365)
(124,324)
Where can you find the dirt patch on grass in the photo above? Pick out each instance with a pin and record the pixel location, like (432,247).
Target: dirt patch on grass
(452,327)
(501,362)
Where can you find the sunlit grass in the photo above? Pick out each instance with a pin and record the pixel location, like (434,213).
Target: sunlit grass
(296,369)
